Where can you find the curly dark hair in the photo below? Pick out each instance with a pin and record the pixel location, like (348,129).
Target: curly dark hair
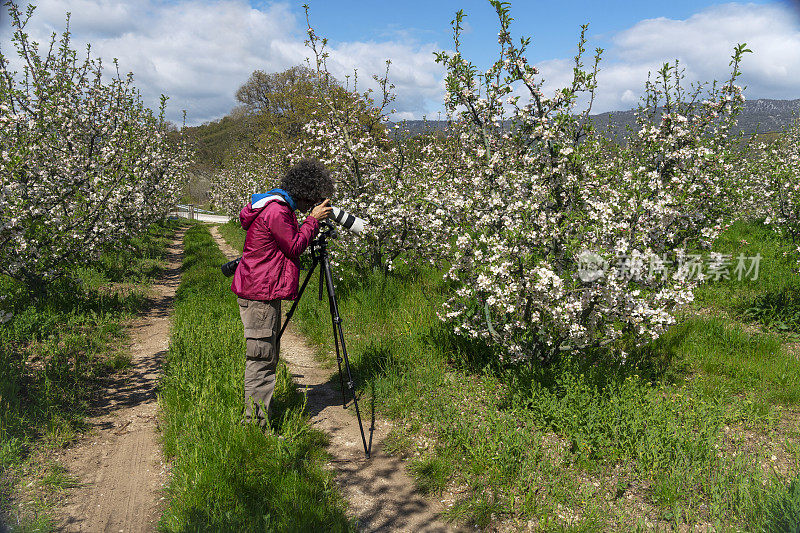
(308,181)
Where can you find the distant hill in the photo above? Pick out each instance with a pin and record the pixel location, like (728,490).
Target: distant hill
(214,140)
(758,116)
(415,127)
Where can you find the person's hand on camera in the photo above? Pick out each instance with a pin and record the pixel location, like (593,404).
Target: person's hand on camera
(322,211)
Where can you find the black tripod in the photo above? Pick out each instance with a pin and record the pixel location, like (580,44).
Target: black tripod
(319,256)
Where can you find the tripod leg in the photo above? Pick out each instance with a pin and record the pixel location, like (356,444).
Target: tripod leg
(337,324)
(372,421)
(336,333)
(299,295)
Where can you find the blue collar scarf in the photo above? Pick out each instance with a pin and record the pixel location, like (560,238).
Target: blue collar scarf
(280,192)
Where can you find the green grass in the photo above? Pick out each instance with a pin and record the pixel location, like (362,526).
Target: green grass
(773,300)
(54,352)
(229,476)
(57,477)
(782,509)
(432,473)
(682,434)
(729,362)
(232,232)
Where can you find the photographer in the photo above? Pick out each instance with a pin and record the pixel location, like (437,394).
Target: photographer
(269,272)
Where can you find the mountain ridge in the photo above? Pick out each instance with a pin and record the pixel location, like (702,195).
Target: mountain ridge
(762,115)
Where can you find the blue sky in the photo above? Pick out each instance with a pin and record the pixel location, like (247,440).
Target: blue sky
(198,52)
(554,26)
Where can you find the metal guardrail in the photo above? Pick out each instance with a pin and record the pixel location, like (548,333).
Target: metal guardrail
(195,209)
(183,211)
(193,213)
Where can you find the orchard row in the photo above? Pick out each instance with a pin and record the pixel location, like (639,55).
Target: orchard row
(511,201)
(522,188)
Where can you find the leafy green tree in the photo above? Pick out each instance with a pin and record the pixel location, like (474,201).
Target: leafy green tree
(283,101)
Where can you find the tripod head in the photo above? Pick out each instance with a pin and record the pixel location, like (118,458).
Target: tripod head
(319,246)
(327,230)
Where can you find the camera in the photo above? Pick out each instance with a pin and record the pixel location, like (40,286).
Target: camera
(230,267)
(348,221)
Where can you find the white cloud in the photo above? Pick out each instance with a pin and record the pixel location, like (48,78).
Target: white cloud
(403,115)
(199,52)
(98,18)
(702,44)
(417,78)
(628,97)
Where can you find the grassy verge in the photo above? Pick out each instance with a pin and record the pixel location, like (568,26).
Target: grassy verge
(232,232)
(226,475)
(772,300)
(700,428)
(54,353)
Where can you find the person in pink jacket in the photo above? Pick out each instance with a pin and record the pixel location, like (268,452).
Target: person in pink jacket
(269,271)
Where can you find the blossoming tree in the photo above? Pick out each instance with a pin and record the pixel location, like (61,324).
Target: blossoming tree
(773,179)
(82,161)
(248,172)
(381,176)
(564,241)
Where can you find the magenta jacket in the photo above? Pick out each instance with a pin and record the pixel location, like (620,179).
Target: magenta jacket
(269,269)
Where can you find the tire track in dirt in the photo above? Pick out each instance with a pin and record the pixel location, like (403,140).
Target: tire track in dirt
(119,466)
(381,494)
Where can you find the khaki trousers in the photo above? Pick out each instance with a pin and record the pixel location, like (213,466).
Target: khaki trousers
(261,320)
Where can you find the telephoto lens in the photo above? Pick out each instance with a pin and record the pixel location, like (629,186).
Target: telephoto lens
(230,267)
(348,221)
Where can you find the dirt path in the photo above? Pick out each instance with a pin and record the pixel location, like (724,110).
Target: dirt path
(119,465)
(380,492)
